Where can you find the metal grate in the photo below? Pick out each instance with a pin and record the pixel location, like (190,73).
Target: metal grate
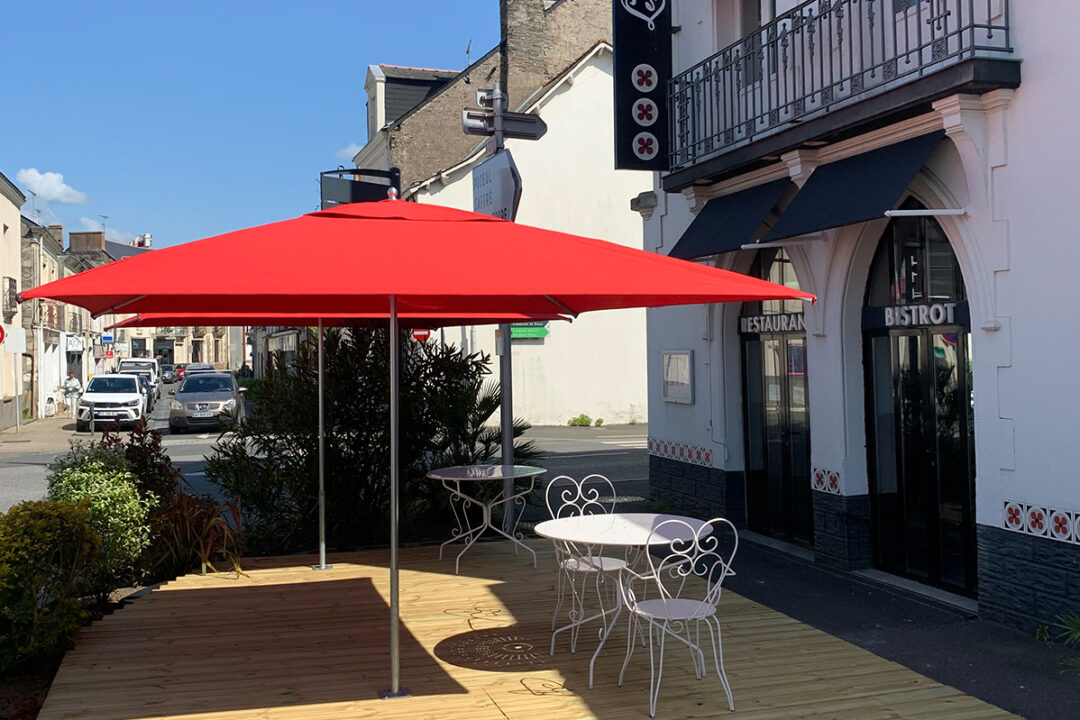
(818,56)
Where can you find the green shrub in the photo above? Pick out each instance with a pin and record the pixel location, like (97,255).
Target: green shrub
(110,455)
(118,513)
(599,422)
(46,550)
(581,420)
(146,460)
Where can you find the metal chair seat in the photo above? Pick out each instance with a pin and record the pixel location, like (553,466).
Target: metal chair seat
(672,609)
(593,564)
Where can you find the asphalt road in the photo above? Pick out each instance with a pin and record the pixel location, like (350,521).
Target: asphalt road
(617,452)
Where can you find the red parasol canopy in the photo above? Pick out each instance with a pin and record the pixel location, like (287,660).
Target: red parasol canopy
(352,258)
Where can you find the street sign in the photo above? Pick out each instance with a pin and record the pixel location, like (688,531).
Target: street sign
(108,352)
(517,126)
(421,334)
(1,334)
(497,186)
(106,338)
(527,332)
(15,340)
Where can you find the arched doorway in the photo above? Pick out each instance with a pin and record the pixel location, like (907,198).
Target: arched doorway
(776,408)
(919,407)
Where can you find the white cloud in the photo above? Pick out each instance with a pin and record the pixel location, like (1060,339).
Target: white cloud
(49,187)
(111,233)
(349,151)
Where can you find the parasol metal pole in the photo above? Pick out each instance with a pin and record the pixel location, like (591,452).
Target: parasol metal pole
(395,648)
(506,411)
(322,462)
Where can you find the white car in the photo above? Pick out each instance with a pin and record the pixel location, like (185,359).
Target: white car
(115,398)
(139,365)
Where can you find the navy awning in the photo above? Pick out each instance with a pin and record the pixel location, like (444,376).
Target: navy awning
(726,223)
(854,189)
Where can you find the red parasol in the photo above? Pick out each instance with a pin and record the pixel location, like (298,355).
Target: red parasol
(393,257)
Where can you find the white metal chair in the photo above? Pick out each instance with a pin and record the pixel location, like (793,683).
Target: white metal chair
(681,606)
(567,497)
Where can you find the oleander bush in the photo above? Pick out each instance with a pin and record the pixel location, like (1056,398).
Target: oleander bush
(269,467)
(119,513)
(581,420)
(48,551)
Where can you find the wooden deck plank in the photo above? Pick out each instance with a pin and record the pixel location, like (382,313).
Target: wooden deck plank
(283,641)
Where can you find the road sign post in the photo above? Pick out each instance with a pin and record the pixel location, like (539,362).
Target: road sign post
(496,191)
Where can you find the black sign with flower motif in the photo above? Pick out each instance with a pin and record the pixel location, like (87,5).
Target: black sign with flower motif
(642,39)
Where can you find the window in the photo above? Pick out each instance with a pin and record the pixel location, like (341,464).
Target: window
(677,368)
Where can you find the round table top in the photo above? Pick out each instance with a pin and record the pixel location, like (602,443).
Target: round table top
(619,529)
(486,472)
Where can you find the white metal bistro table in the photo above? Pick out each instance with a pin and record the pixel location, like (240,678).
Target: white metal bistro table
(630,531)
(458,477)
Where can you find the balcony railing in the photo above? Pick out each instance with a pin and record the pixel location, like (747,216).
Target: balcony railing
(819,56)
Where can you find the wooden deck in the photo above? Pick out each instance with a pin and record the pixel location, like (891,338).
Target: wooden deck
(287,642)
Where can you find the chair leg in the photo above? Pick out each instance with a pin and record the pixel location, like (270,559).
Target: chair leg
(694,652)
(632,627)
(560,589)
(654,692)
(718,660)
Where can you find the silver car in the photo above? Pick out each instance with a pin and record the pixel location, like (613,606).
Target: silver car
(206,401)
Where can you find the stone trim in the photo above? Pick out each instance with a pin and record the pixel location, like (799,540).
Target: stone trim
(1041,521)
(842,531)
(1026,580)
(698,491)
(681,451)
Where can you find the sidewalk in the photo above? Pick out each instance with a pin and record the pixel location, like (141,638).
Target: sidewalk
(44,435)
(995,663)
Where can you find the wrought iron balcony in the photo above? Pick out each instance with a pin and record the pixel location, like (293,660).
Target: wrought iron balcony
(819,57)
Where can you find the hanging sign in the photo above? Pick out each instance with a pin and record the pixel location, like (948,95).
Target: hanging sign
(641,35)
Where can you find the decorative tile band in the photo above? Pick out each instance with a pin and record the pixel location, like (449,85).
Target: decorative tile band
(1041,521)
(825,480)
(681,451)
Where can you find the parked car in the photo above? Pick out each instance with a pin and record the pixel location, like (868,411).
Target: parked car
(144,382)
(168,374)
(206,401)
(198,368)
(111,398)
(179,368)
(134,365)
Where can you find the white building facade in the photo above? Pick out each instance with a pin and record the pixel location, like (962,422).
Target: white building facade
(14,345)
(889,158)
(596,365)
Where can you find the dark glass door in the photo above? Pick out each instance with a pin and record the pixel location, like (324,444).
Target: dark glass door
(921,454)
(778,437)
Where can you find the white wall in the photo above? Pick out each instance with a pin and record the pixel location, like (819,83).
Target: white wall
(597,364)
(1009,162)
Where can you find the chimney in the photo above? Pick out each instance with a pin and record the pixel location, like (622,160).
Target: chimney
(522,67)
(86,242)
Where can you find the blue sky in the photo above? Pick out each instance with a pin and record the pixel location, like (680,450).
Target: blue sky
(189,119)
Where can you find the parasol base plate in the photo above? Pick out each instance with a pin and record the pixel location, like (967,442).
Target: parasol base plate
(322,567)
(390,694)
